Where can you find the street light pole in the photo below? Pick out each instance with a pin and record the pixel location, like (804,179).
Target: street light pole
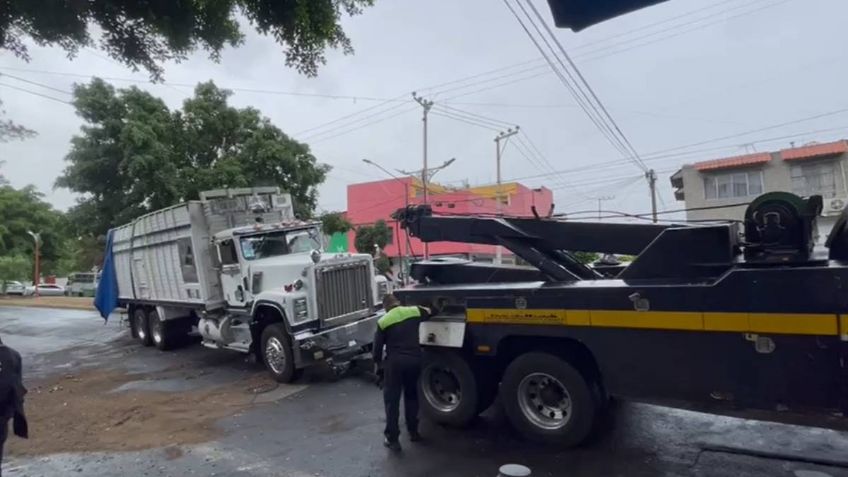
(405,256)
(502,136)
(424,173)
(37,238)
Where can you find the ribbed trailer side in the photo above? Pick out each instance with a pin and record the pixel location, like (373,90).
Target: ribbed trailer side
(164,257)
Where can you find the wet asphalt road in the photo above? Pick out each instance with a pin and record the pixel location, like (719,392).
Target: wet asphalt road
(325,428)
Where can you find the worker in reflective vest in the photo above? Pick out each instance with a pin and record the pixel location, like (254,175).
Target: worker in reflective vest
(397,332)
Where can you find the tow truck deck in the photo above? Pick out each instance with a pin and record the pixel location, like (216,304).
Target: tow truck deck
(700,316)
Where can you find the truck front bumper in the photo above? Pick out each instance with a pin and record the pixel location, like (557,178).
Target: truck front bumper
(339,344)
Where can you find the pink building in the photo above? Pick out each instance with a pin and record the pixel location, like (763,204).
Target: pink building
(371,201)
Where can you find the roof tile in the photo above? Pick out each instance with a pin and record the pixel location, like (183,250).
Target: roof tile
(814,150)
(736,161)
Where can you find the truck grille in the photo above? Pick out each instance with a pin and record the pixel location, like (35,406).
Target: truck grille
(344,291)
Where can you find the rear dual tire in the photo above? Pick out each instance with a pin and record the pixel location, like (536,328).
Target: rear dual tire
(150,329)
(451,392)
(548,400)
(545,398)
(140,326)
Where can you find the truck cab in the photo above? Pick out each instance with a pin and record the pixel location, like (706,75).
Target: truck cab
(317,303)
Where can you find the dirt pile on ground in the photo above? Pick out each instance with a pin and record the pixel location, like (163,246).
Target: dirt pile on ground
(82,412)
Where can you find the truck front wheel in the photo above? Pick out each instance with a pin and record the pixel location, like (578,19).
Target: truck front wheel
(277,353)
(447,389)
(547,400)
(140,327)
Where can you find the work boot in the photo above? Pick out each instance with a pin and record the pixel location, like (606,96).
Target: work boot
(392,445)
(414,436)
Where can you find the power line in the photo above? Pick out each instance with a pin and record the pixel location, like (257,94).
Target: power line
(589,88)
(40,85)
(379,120)
(587,57)
(35,93)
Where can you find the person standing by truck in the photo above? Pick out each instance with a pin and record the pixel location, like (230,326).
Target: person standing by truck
(11,395)
(397,332)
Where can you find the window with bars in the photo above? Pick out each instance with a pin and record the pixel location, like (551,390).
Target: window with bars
(733,184)
(814,178)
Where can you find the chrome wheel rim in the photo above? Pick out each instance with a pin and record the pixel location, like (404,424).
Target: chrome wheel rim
(139,326)
(544,401)
(275,355)
(441,389)
(156,332)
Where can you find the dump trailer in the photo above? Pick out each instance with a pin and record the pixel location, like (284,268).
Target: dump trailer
(237,267)
(707,315)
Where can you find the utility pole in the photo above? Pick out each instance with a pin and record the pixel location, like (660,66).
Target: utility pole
(651,175)
(426,105)
(502,136)
(601,199)
(37,238)
(404,266)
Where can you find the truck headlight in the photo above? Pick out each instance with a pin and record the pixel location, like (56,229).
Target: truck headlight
(300,310)
(382,289)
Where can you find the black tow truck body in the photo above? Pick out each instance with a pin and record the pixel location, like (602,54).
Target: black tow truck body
(742,315)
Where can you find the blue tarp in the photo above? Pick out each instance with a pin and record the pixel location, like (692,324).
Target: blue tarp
(106,298)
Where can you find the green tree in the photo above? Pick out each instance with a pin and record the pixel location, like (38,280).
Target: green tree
(586,257)
(10,130)
(23,210)
(335,222)
(147,34)
(134,155)
(367,236)
(14,267)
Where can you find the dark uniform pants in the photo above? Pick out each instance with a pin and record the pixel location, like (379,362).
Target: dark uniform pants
(4,433)
(401,376)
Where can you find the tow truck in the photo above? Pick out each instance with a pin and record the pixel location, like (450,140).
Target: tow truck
(722,314)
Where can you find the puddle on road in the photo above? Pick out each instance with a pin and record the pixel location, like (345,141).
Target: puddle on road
(83,412)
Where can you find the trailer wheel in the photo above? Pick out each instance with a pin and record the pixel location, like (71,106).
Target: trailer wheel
(140,327)
(447,389)
(277,353)
(161,332)
(548,400)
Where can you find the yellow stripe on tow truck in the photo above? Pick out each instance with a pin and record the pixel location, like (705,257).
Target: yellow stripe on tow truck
(769,323)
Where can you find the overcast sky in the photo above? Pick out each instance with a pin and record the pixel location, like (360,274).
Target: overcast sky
(679,73)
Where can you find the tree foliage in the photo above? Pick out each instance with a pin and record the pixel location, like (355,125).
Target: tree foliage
(14,267)
(586,257)
(147,34)
(335,222)
(10,130)
(134,155)
(23,210)
(367,236)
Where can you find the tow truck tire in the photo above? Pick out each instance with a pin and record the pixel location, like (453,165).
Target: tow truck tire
(140,328)
(447,390)
(547,400)
(277,353)
(161,331)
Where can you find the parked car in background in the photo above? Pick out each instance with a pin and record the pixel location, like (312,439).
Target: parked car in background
(45,289)
(15,288)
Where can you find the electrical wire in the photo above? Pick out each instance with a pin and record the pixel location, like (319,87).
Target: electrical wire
(35,93)
(40,85)
(620,134)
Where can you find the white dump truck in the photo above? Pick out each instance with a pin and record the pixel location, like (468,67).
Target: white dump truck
(237,266)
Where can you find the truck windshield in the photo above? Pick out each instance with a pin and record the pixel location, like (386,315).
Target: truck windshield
(279,243)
